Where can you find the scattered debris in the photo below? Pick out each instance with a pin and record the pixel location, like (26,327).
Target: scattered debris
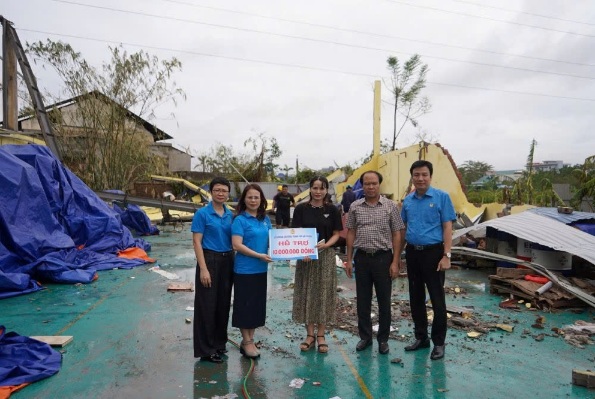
(317,383)
(583,378)
(509,304)
(474,334)
(181,287)
(512,281)
(188,320)
(505,327)
(397,360)
(297,383)
(579,334)
(167,275)
(54,340)
(190,308)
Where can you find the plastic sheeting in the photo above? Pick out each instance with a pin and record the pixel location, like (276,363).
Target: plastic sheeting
(136,219)
(52,226)
(24,360)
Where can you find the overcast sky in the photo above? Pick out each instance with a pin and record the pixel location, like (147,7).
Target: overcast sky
(500,73)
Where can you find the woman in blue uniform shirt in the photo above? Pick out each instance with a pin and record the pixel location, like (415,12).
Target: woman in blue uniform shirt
(250,238)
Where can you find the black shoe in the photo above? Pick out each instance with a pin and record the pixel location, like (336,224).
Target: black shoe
(418,344)
(221,351)
(383,348)
(437,352)
(363,344)
(214,358)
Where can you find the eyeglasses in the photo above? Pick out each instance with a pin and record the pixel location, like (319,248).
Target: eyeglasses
(219,191)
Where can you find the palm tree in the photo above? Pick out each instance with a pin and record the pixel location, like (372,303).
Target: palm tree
(586,179)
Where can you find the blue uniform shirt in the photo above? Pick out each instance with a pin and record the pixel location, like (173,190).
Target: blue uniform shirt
(255,235)
(215,229)
(424,216)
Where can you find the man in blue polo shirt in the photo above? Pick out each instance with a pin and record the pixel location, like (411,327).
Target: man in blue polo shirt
(428,214)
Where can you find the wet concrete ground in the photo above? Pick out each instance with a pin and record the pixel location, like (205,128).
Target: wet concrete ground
(131,340)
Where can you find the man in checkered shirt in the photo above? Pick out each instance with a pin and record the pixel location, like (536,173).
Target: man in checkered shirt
(374,247)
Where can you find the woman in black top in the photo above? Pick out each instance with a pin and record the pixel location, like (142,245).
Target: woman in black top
(315,289)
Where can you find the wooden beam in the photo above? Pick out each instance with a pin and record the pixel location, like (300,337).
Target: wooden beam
(54,340)
(10,106)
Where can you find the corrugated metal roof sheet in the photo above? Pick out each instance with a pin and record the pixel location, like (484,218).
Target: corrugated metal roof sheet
(545,231)
(563,217)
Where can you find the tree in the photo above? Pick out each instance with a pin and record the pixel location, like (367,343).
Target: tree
(286,170)
(202,159)
(406,92)
(262,167)
(586,183)
(474,170)
(107,148)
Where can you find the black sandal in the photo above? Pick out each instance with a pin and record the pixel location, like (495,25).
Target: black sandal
(306,346)
(322,348)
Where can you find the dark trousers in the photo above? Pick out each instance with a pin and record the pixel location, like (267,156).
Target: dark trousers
(211,305)
(421,272)
(373,271)
(282,217)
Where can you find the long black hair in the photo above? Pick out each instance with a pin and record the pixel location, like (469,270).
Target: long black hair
(261,211)
(325,184)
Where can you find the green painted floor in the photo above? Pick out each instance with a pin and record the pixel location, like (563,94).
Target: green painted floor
(131,340)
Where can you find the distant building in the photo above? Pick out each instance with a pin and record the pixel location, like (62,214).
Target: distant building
(547,166)
(502,178)
(178,160)
(66,113)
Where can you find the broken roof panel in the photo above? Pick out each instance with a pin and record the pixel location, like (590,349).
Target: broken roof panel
(542,230)
(553,213)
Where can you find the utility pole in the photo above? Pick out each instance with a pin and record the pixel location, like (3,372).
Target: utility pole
(12,51)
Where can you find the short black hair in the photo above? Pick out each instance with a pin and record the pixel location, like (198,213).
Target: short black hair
(219,180)
(361,178)
(285,186)
(420,164)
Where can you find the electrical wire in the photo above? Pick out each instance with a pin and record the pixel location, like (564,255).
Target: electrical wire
(335,28)
(522,12)
(482,17)
(248,373)
(287,36)
(288,65)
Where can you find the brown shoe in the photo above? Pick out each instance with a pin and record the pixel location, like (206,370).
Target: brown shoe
(306,346)
(322,348)
(250,354)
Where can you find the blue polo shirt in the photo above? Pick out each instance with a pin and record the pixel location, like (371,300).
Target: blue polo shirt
(215,229)
(255,235)
(424,216)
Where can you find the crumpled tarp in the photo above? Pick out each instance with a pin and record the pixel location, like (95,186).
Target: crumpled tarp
(136,219)
(24,360)
(52,226)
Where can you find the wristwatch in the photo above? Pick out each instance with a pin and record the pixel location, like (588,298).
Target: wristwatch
(447,254)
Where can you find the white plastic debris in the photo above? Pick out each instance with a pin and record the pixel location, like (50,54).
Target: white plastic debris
(375,328)
(297,383)
(190,308)
(167,275)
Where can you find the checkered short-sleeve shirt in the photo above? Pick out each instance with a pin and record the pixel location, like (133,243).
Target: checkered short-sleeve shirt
(374,224)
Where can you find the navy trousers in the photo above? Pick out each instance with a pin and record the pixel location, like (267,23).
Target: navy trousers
(421,272)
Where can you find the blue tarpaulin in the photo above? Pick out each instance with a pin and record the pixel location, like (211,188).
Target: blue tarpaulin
(25,360)
(136,219)
(52,226)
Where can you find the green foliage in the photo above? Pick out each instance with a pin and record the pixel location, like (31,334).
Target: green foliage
(473,170)
(407,82)
(586,183)
(258,166)
(100,141)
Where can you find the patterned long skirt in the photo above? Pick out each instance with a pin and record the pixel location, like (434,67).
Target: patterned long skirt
(315,289)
